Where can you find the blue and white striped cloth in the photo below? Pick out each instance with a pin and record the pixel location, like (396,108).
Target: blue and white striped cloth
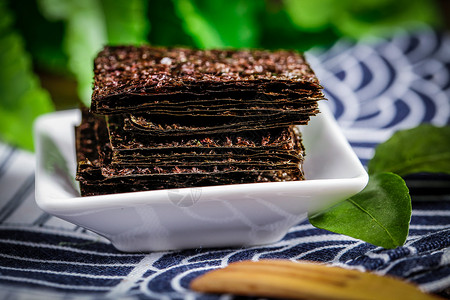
(374,87)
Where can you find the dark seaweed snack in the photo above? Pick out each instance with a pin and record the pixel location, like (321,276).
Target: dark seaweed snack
(164,118)
(141,78)
(99,174)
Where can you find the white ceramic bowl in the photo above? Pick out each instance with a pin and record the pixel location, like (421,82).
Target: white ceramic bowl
(214,216)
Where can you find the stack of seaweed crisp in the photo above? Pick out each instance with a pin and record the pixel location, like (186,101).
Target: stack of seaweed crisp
(170,118)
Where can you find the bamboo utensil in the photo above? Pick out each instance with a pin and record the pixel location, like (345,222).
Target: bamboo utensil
(303,280)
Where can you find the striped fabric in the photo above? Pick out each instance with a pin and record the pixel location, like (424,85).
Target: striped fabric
(374,88)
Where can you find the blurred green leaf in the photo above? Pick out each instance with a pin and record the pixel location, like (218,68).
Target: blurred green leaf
(219,24)
(43,37)
(126,21)
(22,98)
(425,148)
(311,15)
(91,24)
(279,31)
(202,32)
(85,36)
(371,17)
(235,20)
(360,18)
(167,27)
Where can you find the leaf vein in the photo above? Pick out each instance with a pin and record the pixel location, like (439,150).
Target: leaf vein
(374,219)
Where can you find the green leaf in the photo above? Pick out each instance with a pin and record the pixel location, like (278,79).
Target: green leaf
(219,24)
(167,28)
(202,32)
(43,37)
(361,18)
(85,35)
(380,214)
(425,148)
(235,20)
(21,97)
(311,15)
(90,24)
(371,17)
(126,21)
(281,32)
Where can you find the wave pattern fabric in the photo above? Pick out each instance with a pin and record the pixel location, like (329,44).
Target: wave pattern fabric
(374,87)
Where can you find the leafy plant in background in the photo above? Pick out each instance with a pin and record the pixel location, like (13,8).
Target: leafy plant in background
(63,36)
(358,18)
(90,24)
(22,98)
(219,24)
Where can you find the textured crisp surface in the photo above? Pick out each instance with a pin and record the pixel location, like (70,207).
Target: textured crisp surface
(145,69)
(187,81)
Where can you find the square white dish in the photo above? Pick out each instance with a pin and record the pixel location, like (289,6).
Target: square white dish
(214,216)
